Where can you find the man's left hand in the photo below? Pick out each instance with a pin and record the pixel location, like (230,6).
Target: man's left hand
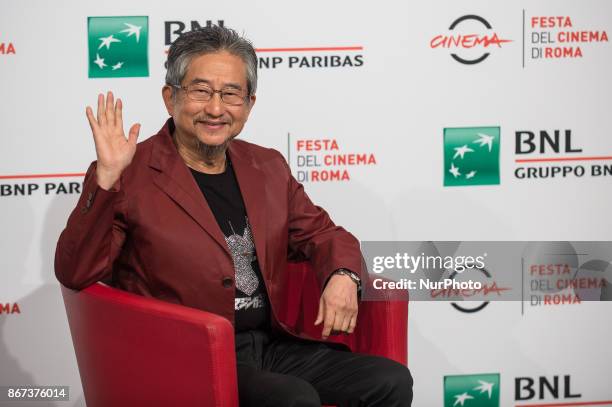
(338,305)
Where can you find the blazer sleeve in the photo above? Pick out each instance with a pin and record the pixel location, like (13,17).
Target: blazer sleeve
(314,236)
(94,235)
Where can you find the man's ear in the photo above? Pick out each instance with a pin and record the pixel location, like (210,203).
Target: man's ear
(169,99)
(252,100)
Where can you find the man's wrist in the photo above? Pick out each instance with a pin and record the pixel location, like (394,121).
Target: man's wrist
(107,180)
(353,276)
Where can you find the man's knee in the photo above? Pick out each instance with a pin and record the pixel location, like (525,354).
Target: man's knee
(403,382)
(299,394)
(395,381)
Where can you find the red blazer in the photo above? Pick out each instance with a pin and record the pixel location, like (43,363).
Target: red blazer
(156,236)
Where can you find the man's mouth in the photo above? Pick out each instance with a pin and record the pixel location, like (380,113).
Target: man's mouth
(212,124)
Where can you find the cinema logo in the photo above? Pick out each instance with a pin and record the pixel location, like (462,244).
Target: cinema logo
(470,40)
(9,308)
(7,48)
(322,160)
(550,154)
(15,186)
(556,37)
(488,289)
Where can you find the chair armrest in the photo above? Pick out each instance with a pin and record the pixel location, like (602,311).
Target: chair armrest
(382,325)
(382,329)
(133,350)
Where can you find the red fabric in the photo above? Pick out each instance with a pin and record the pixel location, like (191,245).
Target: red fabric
(138,351)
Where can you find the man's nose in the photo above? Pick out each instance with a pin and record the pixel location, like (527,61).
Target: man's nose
(215,106)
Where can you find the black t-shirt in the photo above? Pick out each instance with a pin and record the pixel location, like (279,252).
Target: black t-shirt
(223,196)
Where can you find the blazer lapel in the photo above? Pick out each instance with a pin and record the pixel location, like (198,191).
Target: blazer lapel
(251,181)
(175,179)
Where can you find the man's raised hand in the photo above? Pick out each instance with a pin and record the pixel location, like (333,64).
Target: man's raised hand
(113,149)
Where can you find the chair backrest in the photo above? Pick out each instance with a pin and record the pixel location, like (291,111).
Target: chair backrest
(178,349)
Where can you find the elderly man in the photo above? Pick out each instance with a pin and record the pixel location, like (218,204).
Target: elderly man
(197,218)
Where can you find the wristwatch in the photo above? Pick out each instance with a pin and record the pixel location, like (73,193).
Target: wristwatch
(352,275)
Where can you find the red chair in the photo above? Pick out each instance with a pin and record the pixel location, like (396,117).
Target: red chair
(138,351)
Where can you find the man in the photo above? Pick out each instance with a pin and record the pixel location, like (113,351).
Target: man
(194,217)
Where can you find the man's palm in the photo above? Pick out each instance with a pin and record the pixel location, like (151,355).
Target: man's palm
(114,151)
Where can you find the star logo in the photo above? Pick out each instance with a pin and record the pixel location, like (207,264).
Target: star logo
(107,41)
(471,156)
(99,61)
(485,140)
(118,46)
(485,386)
(132,30)
(461,398)
(454,170)
(460,151)
(477,390)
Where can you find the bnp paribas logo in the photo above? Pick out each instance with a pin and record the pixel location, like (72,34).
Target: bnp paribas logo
(471,156)
(118,46)
(477,390)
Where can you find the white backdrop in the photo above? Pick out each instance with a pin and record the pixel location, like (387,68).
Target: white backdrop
(392,103)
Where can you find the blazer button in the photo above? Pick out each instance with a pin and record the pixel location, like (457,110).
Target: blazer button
(227,282)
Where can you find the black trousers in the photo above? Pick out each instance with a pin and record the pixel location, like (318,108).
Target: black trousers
(282,371)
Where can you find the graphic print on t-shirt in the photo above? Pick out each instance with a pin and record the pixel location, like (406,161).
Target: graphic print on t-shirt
(242,249)
(245,303)
(243,254)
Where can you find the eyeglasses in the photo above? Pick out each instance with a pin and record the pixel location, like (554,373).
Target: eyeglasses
(199,92)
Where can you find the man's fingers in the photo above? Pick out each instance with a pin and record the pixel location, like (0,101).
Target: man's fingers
(329,323)
(91,119)
(101,112)
(340,320)
(110,108)
(133,136)
(321,312)
(119,113)
(352,324)
(346,322)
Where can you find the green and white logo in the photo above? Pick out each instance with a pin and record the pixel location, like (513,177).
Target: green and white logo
(477,390)
(471,156)
(118,46)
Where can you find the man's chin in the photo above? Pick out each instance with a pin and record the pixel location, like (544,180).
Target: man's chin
(214,140)
(212,147)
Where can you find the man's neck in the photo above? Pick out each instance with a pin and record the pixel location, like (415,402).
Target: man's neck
(206,159)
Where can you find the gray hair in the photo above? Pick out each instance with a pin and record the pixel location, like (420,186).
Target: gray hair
(209,40)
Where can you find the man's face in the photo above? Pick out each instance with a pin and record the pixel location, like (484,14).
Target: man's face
(212,122)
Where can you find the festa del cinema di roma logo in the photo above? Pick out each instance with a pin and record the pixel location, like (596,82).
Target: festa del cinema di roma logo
(470,39)
(118,46)
(478,390)
(471,156)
